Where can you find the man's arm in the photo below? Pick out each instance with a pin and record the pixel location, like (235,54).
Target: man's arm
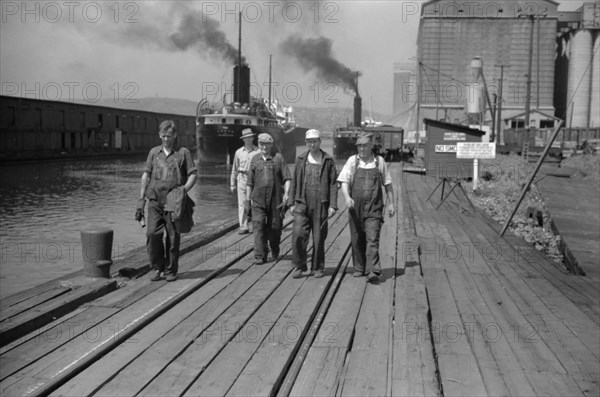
(234,172)
(144,185)
(389,190)
(346,193)
(191,181)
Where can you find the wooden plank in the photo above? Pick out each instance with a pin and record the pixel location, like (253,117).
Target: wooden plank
(541,324)
(155,367)
(43,314)
(414,367)
(220,375)
(51,339)
(165,337)
(32,302)
(496,360)
(322,368)
(52,370)
(277,352)
(459,371)
(367,366)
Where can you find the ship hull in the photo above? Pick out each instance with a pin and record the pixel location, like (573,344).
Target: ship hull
(217,143)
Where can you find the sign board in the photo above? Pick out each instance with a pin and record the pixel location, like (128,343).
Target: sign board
(455,136)
(476,150)
(445,148)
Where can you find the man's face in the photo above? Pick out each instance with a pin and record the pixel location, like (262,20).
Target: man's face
(167,138)
(364,150)
(248,140)
(265,147)
(313,144)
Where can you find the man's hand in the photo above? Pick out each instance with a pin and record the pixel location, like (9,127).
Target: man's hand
(349,202)
(141,204)
(232,188)
(391,210)
(331,212)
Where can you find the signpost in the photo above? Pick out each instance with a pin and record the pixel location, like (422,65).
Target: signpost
(475,151)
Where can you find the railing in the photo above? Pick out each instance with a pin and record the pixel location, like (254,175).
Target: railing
(567,138)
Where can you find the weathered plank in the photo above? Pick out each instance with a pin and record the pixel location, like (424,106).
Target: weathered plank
(27,321)
(322,368)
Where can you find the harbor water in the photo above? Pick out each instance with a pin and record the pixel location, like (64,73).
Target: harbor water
(44,206)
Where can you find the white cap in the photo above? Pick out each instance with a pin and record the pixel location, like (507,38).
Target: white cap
(312,134)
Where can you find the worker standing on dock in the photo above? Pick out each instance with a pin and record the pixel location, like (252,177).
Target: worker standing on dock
(168,168)
(313,199)
(239,174)
(362,179)
(267,190)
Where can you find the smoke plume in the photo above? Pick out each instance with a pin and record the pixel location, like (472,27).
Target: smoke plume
(203,34)
(315,54)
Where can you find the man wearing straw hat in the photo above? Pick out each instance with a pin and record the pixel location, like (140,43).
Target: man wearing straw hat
(267,187)
(239,174)
(313,199)
(362,179)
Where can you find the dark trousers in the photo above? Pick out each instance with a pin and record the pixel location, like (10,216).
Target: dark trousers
(267,225)
(364,236)
(307,218)
(163,257)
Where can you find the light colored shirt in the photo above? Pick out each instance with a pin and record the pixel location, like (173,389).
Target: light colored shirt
(347,174)
(241,164)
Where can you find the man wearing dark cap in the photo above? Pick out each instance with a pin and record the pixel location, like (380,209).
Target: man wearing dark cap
(313,199)
(362,178)
(168,167)
(239,174)
(267,188)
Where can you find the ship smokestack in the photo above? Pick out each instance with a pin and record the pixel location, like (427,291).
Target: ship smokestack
(357,110)
(241,84)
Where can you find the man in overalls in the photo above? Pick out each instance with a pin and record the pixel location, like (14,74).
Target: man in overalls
(167,167)
(313,199)
(239,174)
(267,189)
(362,177)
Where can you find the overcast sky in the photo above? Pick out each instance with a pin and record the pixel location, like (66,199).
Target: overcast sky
(128,50)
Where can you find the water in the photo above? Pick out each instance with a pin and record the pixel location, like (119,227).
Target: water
(43,208)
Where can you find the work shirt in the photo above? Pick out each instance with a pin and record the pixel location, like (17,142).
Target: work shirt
(267,176)
(347,173)
(167,171)
(241,164)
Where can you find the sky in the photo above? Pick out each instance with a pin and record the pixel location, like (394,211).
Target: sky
(127,50)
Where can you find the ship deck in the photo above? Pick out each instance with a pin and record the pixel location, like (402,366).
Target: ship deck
(459,311)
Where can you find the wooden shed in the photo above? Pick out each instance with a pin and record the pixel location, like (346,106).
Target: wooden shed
(440,149)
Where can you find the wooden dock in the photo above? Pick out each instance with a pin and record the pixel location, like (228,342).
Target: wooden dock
(458,311)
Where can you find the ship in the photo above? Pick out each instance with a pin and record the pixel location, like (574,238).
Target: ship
(387,139)
(219,126)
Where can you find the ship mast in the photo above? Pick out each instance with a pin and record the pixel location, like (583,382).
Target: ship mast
(239,71)
(270,59)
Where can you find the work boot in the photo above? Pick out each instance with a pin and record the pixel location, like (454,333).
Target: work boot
(373,278)
(156,276)
(297,273)
(318,273)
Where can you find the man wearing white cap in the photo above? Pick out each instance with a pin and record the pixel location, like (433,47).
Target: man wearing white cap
(313,198)
(362,178)
(267,187)
(239,174)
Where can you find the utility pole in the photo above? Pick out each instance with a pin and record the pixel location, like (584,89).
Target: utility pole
(531,17)
(499,129)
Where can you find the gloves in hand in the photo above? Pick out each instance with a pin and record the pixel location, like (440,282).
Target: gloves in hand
(139,211)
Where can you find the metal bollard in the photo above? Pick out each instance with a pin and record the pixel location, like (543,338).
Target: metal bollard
(96,247)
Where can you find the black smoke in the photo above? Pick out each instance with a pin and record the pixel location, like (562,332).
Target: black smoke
(314,54)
